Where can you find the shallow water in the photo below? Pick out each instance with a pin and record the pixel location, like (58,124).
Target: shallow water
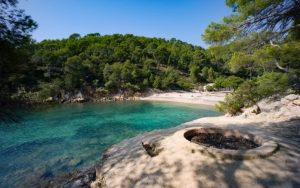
(51,141)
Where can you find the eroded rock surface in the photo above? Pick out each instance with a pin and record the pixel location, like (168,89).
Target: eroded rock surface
(127,164)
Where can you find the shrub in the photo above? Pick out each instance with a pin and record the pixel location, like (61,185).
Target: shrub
(145,82)
(245,96)
(219,82)
(169,79)
(111,85)
(208,74)
(210,88)
(272,83)
(157,82)
(232,104)
(49,89)
(131,87)
(102,91)
(231,82)
(250,92)
(185,84)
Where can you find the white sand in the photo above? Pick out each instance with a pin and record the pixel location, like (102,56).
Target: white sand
(181,164)
(202,98)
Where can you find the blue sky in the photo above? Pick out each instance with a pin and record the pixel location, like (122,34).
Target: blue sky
(185,20)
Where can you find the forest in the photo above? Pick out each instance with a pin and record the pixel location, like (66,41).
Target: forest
(108,64)
(255,52)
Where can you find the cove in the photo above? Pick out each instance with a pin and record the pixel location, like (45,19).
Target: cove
(51,141)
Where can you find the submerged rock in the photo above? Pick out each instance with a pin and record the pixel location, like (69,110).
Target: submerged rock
(77,179)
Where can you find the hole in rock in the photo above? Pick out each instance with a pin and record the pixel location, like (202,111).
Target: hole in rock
(222,139)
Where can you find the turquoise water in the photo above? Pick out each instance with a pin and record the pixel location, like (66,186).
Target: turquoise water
(55,140)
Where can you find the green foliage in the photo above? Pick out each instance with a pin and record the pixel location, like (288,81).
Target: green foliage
(16,26)
(218,33)
(118,63)
(47,90)
(15,52)
(194,73)
(74,72)
(101,91)
(272,83)
(157,82)
(242,41)
(245,96)
(185,84)
(243,44)
(169,79)
(127,63)
(131,87)
(250,92)
(240,60)
(232,104)
(208,74)
(74,36)
(210,88)
(231,82)
(252,16)
(15,43)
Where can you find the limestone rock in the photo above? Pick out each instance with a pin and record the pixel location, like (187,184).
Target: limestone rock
(82,179)
(79,98)
(292,97)
(256,110)
(152,149)
(99,183)
(296,102)
(50,99)
(284,101)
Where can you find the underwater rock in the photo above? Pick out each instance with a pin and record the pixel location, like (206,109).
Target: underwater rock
(76,179)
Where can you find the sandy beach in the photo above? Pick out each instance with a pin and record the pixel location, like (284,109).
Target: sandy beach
(201,98)
(183,164)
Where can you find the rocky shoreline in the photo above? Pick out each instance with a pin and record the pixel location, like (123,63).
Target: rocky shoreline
(81,98)
(128,164)
(190,97)
(279,119)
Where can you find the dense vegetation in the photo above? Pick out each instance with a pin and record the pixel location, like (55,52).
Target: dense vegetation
(115,63)
(254,52)
(94,64)
(107,64)
(259,41)
(15,28)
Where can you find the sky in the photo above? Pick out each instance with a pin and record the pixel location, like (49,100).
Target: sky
(185,20)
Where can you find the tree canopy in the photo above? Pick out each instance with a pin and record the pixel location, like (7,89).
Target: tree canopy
(259,40)
(15,29)
(278,18)
(116,63)
(256,47)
